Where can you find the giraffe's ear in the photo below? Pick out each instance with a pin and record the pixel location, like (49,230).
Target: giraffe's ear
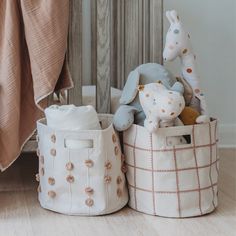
(168,15)
(174,16)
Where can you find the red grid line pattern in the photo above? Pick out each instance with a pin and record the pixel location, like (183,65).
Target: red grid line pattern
(213,192)
(198,178)
(135,195)
(173,170)
(174,149)
(153,194)
(171,149)
(177,182)
(217,170)
(173,192)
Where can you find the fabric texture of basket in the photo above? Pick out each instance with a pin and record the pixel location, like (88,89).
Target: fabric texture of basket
(87,181)
(172,181)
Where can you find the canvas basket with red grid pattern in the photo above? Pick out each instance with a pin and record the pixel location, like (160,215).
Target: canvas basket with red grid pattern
(172,181)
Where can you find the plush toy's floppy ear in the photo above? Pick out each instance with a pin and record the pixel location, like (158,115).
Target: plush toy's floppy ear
(174,16)
(131,88)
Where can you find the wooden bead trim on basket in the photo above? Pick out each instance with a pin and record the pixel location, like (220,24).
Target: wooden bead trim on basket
(37,177)
(69,166)
(89,191)
(119,192)
(51,181)
(107,179)
(70,179)
(89,163)
(89,202)
(122,157)
(113,138)
(53,152)
(39,189)
(53,138)
(38,152)
(116,150)
(124,168)
(41,159)
(51,194)
(42,171)
(119,180)
(108,165)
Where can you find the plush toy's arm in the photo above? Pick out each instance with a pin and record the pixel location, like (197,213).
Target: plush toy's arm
(151,124)
(124,117)
(203,119)
(178,122)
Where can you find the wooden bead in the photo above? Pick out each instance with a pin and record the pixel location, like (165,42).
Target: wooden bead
(108,165)
(89,202)
(89,163)
(53,138)
(119,192)
(39,189)
(70,178)
(113,138)
(89,191)
(119,180)
(51,194)
(53,152)
(51,181)
(116,150)
(41,159)
(124,168)
(107,179)
(38,152)
(42,171)
(122,157)
(37,177)
(69,166)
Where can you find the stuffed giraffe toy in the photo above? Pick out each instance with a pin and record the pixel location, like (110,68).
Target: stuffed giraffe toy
(178,45)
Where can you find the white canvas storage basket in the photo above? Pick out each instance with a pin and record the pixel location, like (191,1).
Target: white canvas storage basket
(172,181)
(87,181)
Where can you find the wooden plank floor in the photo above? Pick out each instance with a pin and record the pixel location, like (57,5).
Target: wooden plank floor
(20,213)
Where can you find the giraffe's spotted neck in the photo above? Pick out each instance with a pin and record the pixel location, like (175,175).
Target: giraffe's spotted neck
(187,61)
(189,69)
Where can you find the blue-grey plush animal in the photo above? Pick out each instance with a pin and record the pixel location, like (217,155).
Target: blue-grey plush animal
(130,110)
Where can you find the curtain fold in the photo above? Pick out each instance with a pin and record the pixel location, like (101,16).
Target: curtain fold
(33,41)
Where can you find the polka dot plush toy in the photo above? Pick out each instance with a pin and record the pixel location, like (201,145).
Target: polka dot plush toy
(160,105)
(178,45)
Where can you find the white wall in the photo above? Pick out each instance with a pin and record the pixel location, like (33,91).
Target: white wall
(212,25)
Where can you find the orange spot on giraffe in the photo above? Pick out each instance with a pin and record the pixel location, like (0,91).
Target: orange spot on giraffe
(189,70)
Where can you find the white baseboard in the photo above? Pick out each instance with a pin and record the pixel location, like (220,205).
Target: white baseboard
(227,135)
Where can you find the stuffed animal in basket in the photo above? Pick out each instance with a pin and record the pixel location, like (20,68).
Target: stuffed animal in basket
(178,45)
(130,110)
(160,105)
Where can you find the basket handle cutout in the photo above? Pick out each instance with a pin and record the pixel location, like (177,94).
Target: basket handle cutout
(78,143)
(179,140)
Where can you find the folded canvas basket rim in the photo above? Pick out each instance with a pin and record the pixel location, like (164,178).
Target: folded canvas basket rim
(42,122)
